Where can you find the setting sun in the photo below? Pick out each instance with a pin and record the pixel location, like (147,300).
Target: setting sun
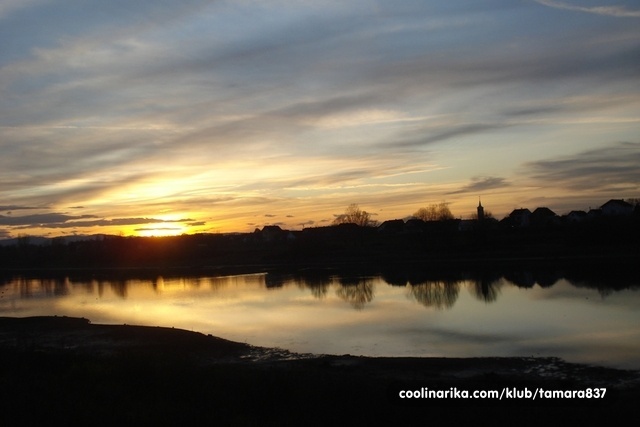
(161,231)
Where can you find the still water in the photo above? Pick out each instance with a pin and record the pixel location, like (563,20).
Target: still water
(587,323)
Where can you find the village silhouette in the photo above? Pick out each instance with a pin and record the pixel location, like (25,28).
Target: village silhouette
(610,233)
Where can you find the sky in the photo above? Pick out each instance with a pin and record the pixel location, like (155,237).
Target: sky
(159,117)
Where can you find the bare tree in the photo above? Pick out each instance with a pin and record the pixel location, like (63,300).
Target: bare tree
(438,294)
(357,292)
(354,215)
(435,212)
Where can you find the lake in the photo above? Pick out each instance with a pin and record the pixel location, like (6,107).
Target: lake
(594,321)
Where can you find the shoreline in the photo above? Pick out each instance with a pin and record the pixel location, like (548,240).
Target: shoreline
(243,385)
(378,264)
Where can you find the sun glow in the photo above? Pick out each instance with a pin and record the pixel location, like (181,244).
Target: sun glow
(161,230)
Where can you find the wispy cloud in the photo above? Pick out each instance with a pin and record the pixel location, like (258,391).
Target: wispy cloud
(221,111)
(480,184)
(613,170)
(8,7)
(428,135)
(617,11)
(58,220)
(17,208)
(40,219)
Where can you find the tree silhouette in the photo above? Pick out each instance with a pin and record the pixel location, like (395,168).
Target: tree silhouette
(354,215)
(434,212)
(486,290)
(358,292)
(439,294)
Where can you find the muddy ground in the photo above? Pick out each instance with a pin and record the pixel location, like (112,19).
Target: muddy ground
(67,370)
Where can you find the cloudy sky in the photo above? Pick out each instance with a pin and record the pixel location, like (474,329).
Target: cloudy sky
(164,117)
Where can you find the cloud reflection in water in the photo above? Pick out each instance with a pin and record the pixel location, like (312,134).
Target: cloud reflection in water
(359,315)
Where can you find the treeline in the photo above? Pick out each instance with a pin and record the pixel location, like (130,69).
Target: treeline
(391,242)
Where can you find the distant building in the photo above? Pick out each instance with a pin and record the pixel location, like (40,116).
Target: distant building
(467,225)
(520,218)
(543,217)
(270,233)
(616,208)
(594,213)
(480,210)
(414,225)
(576,216)
(392,226)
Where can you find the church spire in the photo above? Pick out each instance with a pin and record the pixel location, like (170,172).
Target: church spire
(480,210)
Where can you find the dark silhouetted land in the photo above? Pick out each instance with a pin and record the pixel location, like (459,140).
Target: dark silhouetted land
(603,239)
(66,370)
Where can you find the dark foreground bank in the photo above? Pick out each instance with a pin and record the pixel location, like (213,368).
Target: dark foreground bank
(67,370)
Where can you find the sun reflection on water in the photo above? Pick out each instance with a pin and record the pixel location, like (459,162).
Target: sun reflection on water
(357,315)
